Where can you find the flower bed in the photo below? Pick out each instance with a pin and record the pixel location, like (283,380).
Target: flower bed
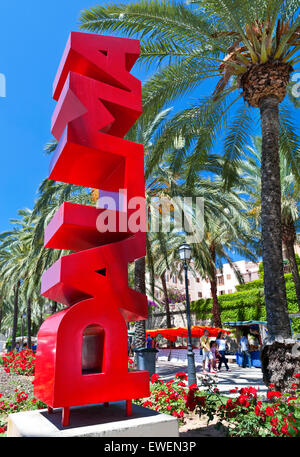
(19,401)
(242,414)
(22,362)
(249,415)
(245,414)
(167,397)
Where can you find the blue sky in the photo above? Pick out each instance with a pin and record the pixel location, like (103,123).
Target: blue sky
(33,35)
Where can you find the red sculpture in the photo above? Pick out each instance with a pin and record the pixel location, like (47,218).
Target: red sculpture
(82,351)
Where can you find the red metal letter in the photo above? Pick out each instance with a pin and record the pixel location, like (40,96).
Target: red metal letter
(82,353)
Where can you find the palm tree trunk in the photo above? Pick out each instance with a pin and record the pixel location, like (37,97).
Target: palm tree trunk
(276,352)
(28,324)
(53,307)
(213,288)
(289,238)
(140,286)
(15,317)
(41,317)
(1,312)
(166,299)
(216,306)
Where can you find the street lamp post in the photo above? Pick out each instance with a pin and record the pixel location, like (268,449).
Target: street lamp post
(185,255)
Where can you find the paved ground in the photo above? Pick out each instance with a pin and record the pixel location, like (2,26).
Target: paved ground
(236,377)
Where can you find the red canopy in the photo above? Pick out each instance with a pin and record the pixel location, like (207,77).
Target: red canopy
(171,334)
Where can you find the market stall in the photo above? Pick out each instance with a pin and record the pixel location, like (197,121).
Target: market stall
(178,353)
(256,332)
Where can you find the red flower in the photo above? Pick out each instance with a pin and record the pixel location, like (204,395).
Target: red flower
(154,378)
(243,401)
(269,411)
(233,391)
(257,410)
(2,429)
(191,402)
(181,375)
(274,393)
(274,421)
(193,387)
(147,403)
(201,400)
(297,375)
(284,429)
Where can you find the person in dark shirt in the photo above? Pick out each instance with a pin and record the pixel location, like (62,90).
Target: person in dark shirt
(149,342)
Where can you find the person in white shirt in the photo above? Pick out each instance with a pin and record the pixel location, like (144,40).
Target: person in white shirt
(244,343)
(221,342)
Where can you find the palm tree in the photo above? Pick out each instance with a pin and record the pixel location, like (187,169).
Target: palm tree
(14,252)
(290,195)
(253,47)
(164,257)
(227,231)
(22,259)
(163,181)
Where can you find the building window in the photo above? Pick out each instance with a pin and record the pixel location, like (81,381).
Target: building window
(230,291)
(198,279)
(221,280)
(174,280)
(199,294)
(222,292)
(228,277)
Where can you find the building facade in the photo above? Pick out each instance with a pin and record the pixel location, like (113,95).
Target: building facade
(227,280)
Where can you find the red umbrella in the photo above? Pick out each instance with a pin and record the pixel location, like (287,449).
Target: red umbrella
(171,334)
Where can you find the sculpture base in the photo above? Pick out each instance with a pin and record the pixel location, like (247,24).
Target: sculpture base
(93,421)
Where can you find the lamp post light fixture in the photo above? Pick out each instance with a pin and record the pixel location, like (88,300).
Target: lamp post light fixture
(185,252)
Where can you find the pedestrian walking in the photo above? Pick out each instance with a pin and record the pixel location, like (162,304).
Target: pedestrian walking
(206,352)
(213,363)
(244,343)
(221,342)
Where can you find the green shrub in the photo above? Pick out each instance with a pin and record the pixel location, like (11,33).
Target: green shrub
(247,303)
